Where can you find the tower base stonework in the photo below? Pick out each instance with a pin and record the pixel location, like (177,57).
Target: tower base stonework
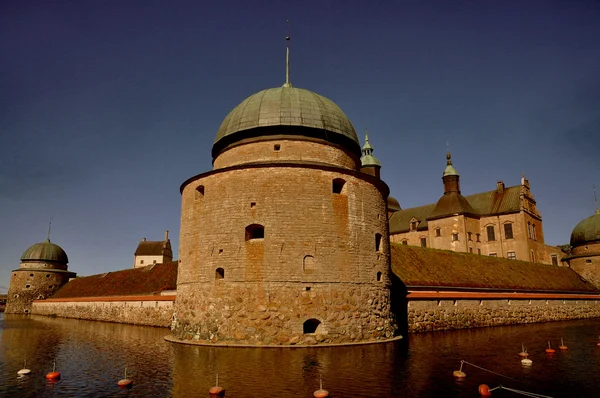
(283,313)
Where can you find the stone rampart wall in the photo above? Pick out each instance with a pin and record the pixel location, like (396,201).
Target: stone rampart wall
(444,314)
(147,311)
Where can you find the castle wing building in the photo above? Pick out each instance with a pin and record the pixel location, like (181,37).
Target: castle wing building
(504,222)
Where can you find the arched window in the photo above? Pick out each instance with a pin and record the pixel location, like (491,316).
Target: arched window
(219,273)
(378,276)
(200,192)
(311,325)
(308,264)
(255,231)
(377,242)
(338,185)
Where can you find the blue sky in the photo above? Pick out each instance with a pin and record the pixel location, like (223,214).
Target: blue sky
(106,107)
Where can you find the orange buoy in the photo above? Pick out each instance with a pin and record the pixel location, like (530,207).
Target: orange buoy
(216,391)
(523,352)
(484,390)
(459,374)
(125,382)
(562,345)
(550,350)
(54,375)
(320,393)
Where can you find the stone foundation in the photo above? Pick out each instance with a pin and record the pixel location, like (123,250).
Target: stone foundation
(147,311)
(433,315)
(252,314)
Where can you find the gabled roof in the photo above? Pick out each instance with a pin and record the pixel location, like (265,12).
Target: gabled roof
(431,268)
(400,220)
(154,248)
(482,204)
(148,280)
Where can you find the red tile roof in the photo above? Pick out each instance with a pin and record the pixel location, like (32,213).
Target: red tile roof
(430,268)
(148,280)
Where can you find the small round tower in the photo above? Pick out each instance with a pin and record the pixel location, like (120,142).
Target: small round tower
(584,257)
(42,271)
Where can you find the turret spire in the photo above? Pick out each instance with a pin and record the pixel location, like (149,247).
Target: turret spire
(287,57)
(367,158)
(596,200)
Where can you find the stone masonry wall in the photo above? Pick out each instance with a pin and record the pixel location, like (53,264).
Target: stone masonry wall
(274,314)
(27,285)
(433,315)
(143,311)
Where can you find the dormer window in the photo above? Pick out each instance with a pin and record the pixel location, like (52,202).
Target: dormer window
(414,223)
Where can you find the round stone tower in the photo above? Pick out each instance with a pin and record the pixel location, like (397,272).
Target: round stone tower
(43,270)
(584,257)
(285,241)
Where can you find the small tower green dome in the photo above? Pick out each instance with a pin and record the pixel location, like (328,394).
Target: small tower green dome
(45,251)
(450,170)
(587,231)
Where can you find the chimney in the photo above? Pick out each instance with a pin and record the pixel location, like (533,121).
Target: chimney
(500,187)
(166,235)
(143,239)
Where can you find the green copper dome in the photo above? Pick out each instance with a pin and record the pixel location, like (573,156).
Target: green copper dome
(290,111)
(45,251)
(587,231)
(449,170)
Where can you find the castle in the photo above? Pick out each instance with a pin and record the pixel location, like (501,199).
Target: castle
(292,238)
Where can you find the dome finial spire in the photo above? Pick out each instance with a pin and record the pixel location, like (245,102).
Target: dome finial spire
(287,56)
(596,200)
(49,227)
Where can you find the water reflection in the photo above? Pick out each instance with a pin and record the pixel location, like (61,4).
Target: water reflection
(92,355)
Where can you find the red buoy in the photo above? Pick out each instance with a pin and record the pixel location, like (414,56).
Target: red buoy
(320,393)
(125,382)
(54,375)
(550,350)
(216,391)
(562,345)
(484,391)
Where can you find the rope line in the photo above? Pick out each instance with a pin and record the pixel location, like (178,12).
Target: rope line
(487,370)
(526,393)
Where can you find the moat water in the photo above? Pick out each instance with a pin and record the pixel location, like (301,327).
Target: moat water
(91,357)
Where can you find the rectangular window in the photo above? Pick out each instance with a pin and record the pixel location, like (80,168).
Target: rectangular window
(470,250)
(423,242)
(491,233)
(534,235)
(454,237)
(413,226)
(438,232)
(532,257)
(493,255)
(405,242)
(554,259)
(508,231)
(479,251)
(469,235)
(478,237)
(529,230)
(511,255)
